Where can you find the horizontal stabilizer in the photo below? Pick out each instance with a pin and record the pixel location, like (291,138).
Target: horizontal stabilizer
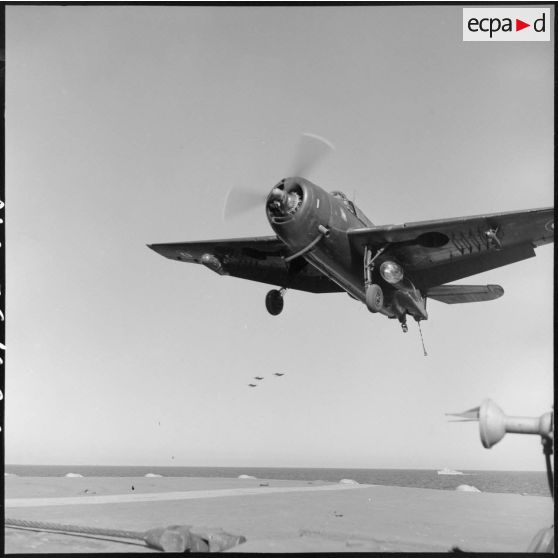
(458,294)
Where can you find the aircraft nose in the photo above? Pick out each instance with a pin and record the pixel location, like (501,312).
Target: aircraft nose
(285,199)
(276,195)
(275,200)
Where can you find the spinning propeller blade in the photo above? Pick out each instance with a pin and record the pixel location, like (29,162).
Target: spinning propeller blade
(311,150)
(240,200)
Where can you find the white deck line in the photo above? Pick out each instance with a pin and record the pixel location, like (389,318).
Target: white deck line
(162,496)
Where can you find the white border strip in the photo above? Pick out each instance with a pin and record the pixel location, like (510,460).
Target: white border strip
(164,496)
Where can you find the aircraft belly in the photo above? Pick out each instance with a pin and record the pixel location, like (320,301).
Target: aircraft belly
(340,274)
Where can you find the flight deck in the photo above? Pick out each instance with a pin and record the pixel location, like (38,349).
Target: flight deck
(270,515)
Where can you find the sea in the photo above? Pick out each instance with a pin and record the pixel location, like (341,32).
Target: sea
(527,483)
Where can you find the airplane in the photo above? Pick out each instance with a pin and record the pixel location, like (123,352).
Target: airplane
(258,377)
(278,373)
(324,243)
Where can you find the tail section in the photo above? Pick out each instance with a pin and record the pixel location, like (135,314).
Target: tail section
(458,294)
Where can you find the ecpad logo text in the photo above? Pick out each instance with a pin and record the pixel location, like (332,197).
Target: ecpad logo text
(506,24)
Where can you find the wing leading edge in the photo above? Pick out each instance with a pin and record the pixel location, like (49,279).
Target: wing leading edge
(256,259)
(441,251)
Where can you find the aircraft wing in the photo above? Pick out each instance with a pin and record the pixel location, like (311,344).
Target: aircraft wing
(256,259)
(441,251)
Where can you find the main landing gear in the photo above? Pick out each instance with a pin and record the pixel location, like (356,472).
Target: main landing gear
(373,291)
(274,301)
(374,297)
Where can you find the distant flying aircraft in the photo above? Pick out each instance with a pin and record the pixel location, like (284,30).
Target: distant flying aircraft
(279,373)
(252,385)
(324,243)
(258,377)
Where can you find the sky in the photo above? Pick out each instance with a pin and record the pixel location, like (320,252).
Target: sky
(128,125)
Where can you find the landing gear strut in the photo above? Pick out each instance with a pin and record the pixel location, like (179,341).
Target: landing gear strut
(274,301)
(373,291)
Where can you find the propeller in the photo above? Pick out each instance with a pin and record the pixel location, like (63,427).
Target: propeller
(240,200)
(310,151)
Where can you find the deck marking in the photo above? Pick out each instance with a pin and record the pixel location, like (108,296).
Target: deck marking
(162,496)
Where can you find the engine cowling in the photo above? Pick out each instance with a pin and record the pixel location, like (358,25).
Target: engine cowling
(295,209)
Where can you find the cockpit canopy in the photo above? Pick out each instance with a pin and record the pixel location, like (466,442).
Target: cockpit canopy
(348,204)
(338,194)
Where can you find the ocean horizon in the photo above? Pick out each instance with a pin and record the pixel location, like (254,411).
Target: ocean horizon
(531,483)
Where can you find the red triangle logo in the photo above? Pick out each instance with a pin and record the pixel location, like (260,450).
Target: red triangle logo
(519,25)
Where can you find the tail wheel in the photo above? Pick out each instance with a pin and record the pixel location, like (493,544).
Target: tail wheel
(274,302)
(374,298)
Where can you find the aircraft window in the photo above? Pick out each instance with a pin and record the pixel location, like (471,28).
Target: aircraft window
(339,195)
(350,206)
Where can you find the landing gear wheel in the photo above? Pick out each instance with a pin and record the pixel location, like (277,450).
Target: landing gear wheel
(274,302)
(374,298)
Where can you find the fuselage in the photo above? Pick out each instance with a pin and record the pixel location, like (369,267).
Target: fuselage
(306,213)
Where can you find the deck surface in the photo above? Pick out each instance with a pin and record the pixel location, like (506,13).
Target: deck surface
(273,515)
